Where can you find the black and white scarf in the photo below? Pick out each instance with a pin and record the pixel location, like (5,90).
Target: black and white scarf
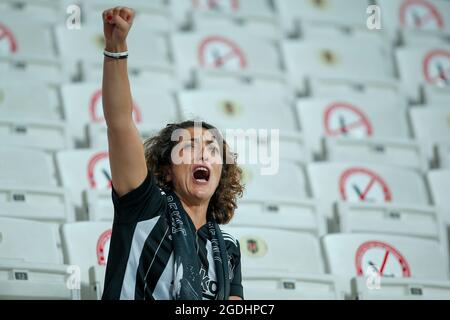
(187,282)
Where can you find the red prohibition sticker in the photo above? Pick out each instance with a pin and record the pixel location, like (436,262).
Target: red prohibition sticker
(221,53)
(420,14)
(99,175)
(382,258)
(8,43)
(344,119)
(436,67)
(103,247)
(96,109)
(363,185)
(225,6)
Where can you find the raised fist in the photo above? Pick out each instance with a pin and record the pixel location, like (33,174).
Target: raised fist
(116,25)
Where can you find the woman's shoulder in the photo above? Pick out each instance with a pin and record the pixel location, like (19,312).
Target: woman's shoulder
(229,239)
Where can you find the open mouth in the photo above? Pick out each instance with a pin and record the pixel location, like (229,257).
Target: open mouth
(201,174)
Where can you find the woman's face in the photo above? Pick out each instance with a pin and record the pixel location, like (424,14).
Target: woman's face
(196,165)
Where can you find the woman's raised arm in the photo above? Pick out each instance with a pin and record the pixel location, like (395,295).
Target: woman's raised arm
(126,151)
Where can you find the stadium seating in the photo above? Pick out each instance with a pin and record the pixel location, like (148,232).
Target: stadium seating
(350,117)
(264,250)
(405,153)
(86,244)
(291,286)
(422,65)
(364,183)
(224,51)
(17,102)
(324,58)
(42,243)
(390,256)
(341,132)
(83,169)
(37,281)
(83,105)
(15,168)
(425,15)
(439,183)
(401,289)
(240,110)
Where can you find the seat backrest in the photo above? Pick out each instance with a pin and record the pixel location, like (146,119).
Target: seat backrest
(388,255)
(239,110)
(30,241)
(424,15)
(224,51)
(366,183)
(15,167)
(431,124)
(338,58)
(354,117)
(86,244)
(439,183)
(82,104)
(423,65)
(268,250)
(264,182)
(83,169)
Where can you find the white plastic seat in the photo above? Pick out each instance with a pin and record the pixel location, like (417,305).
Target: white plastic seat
(432,16)
(23,280)
(330,12)
(82,104)
(434,95)
(399,152)
(269,28)
(431,124)
(247,9)
(35,203)
(404,220)
(30,241)
(161,76)
(290,286)
(91,39)
(443,155)
(389,89)
(264,250)
(239,110)
(355,116)
(99,205)
(83,169)
(43,11)
(37,133)
(96,281)
(439,184)
(364,183)
(224,51)
(25,37)
(17,102)
(86,244)
(422,65)
(293,215)
(264,146)
(31,68)
(288,182)
(15,168)
(211,79)
(98,135)
(402,289)
(388,255)
(339,59)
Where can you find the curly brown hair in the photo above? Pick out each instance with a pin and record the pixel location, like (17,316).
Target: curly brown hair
(222,204)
